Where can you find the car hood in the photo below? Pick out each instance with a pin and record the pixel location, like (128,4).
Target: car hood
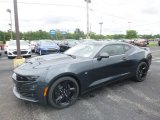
(21,47)
(47,61)
(50,46)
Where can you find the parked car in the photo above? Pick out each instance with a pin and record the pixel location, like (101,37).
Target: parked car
(44,47)
(68,43)
(0,52)
(5,47)
(130,41)
(32,44)
(59,79)
(57,42)
(159,42)
(141,42)
(24,47)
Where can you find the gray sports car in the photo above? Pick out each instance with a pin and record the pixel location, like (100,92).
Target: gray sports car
(59,79)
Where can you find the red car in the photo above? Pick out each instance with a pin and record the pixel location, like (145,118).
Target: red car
(141,42)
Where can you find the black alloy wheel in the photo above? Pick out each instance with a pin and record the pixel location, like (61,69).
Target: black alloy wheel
(141,72)
(63,93)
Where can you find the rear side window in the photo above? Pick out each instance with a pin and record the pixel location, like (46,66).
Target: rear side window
(113,49)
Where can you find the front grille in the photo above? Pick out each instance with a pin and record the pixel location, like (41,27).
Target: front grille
(54,51)
(22,52)
(50,51)
(26,87)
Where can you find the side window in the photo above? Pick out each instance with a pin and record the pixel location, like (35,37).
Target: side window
(126,48)
(113,50)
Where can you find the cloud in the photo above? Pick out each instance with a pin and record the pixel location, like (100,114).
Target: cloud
(60,19)
(150,11)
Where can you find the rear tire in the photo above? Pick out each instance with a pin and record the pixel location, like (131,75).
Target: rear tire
(63,92)
(141,72)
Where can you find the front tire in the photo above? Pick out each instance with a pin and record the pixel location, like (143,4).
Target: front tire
(141,72)
(63,92)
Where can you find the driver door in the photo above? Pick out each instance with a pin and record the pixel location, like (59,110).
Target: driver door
(111,68)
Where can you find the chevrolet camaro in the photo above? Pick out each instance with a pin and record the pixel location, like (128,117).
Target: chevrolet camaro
(59,79)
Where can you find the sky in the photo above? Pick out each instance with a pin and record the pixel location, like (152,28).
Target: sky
(67,15)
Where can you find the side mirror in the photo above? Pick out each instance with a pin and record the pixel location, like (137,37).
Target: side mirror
(102,55)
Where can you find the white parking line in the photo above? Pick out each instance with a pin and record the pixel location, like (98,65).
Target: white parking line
(142,95)
(155,51)
(121,100)
(156,61)
(156,58)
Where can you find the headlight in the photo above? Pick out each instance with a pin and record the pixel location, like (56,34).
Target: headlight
(32,78)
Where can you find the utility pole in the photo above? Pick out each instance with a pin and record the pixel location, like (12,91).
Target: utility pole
(87,1)
(129,25)
(9,11)
(90,29)
(17,29)
(100,28)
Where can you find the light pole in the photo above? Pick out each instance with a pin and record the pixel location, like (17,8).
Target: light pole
(100,28)
(8,10)
(17,29)
(129,25)
(87,1)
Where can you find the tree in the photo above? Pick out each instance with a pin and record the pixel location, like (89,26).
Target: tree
(118,36)
(131,34)
(78,34)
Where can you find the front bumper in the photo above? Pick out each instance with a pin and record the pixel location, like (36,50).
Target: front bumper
(49,51)
(23,53)
(18,95)
(31,91)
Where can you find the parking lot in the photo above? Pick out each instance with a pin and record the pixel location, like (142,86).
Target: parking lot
(125,100)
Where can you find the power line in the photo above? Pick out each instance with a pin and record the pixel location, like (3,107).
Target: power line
(47,4)
(77,6)
(68,5)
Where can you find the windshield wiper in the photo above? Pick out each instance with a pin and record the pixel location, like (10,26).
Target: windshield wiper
(73,56)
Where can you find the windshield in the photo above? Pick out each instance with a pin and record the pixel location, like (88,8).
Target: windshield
(13,43)
(47,42)
(83,50)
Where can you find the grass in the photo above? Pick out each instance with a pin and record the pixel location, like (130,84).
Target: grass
(153,44)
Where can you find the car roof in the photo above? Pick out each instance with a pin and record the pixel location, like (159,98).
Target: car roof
(104,43)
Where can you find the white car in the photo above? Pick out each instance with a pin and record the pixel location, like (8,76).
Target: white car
(24,47)
(5,47)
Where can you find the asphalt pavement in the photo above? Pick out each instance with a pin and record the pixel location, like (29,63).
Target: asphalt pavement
(124,100)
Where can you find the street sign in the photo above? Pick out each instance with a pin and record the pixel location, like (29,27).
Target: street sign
(52,32)
(63,32)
